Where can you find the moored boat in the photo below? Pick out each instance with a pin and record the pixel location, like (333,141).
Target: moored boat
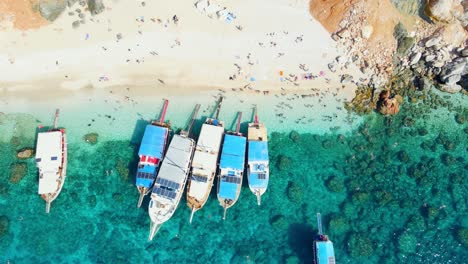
(231,168)
(204,162)
(258,171)
(151,153)
(171,179)
(51,160)
(323,248)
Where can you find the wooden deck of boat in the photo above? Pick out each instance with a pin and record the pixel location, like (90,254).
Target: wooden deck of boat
(257,132)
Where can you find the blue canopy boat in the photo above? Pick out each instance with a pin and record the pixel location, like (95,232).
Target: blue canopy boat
(258,171)
(323,247)
(231,168)
(151,153)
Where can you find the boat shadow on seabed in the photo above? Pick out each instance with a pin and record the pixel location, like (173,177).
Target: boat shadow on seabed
(301,239)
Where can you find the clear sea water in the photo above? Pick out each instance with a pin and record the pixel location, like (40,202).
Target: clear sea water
(390,190)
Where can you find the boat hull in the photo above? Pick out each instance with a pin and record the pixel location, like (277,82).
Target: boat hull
(50,197)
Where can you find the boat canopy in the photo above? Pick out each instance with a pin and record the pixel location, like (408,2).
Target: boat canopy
(258,151)
(49,160)
(153,141)
(175,166)
(145,175)
(210,139)
(233,154)
(227,190)
(258,180)
(325,252)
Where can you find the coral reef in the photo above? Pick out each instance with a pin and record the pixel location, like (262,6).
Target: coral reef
(4,225)
(25,153)
(360,246)
(17,172)
(91,138)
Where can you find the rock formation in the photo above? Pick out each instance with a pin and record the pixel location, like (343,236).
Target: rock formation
(25,153)
(387,105)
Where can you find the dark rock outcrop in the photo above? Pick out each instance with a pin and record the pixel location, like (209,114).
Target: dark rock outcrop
(95,6)
(51,9)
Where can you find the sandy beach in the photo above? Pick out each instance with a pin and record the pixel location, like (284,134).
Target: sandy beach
(148,48)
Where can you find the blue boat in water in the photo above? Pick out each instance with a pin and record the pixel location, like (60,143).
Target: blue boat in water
(231,168)
(258,171)
(151,153)
(323,247)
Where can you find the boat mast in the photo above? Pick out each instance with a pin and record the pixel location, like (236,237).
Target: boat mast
(191,215)
(142,196)
(258,198)
(219,107)
(163,114)
(319,223)
(225,210)
(238,122)
(256,116)
(47,208)
(194,116)
(57,112)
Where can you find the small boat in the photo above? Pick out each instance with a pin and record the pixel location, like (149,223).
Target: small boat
(51,160)
(231,168)
(205,161)
(258,172)
(323,247)
(151,153)
(171,179)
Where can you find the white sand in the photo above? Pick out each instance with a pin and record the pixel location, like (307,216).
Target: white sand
(58,62)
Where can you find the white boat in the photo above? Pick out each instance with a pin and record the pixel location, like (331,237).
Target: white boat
(231,168)
(151,153)
(204,163)
(51,160)
(170,182)
(258,171)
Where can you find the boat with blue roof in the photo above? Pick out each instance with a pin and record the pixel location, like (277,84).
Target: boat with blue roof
(172,177)
(324,252)
(231,167)
(258,171)
(205,162)
(151,153)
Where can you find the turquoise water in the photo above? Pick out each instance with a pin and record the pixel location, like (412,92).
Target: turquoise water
(391,191)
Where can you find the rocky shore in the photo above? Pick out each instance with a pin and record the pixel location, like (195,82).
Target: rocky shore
(432,54)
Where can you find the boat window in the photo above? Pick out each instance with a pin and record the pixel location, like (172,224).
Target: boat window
(53,158)
(38,160)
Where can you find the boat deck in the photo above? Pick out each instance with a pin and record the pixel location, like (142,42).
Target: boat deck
(257,132)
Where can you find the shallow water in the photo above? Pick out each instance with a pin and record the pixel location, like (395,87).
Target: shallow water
(391,191)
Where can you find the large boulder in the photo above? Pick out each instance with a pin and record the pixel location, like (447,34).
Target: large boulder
(95,6)
(51,9)
(453,70)
(387,105)
(25,153)
(439,10)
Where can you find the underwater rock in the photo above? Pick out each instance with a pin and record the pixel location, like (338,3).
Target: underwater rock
(279,222)
(117,197)
(360,197)
(429,212)
(338,225)
(25,153)
(4,225)
(91,138)
(283,163)
(460,118)
(294,136)
(422,131)
(123,170)
(447,159)
(15,141)
(327,144)
(416,223)
(383,197)
(359,245)
(387,105)
(295,192)
(91,199)
(335,184)
(18,171)
(407,243)
(462,236)
(403,156)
